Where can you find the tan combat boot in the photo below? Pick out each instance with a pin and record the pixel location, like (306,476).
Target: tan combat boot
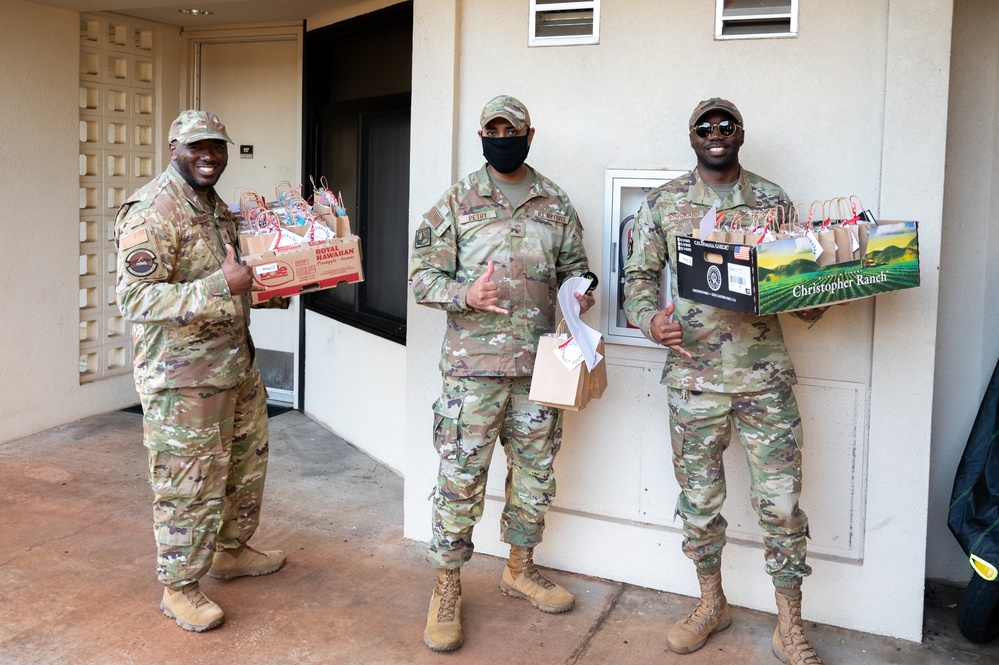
(789,643)
(192,610)
(710,616)
(522,579)
(244,560)
(443,631)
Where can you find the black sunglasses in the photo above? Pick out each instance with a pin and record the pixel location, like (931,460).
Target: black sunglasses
(725,128)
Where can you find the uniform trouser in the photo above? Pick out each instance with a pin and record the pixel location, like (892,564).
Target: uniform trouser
(207,462)
(471,413)
(769,426)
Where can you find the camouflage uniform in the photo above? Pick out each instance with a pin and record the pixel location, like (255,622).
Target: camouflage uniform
(740,371)
(487,358)
(205,413)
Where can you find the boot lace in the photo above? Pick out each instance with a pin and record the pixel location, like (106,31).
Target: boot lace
(532,573)
(794,641)
(798,649)
(449,599)
(194,595)
(702,617)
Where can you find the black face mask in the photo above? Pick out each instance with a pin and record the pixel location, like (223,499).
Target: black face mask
(505,154)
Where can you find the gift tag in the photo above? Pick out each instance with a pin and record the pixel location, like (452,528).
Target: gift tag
(285,239)
(854,243)
(814,242)
(569,353)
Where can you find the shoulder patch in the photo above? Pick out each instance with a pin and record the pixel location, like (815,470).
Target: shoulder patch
(140,262)
(422,237)
(134,238)
(437,217)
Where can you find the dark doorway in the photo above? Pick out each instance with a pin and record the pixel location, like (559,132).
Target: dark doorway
(358,82)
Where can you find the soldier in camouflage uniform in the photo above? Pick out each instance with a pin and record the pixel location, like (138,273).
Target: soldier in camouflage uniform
(723,367)
(183,289)
(492,253)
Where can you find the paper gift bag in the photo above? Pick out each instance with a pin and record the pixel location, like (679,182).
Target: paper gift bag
(597,379)
(553,384)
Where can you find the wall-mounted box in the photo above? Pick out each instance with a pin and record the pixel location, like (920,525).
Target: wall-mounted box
(624,194)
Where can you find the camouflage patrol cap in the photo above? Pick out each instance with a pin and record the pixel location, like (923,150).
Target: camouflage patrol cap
(714,104)
(506,107)
(191,126)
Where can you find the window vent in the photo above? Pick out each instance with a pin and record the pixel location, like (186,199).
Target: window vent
(559,23)
(752,19)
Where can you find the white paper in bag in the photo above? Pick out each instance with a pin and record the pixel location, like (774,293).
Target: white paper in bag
(586,337)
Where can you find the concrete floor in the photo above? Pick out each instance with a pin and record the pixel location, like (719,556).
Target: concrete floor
(77,581)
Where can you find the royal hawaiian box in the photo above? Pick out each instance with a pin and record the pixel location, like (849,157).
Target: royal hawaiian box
(305,267)
(783,275)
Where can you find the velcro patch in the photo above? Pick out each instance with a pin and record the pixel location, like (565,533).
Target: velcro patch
(477,217)
(552,217)
(140,262)
(422,237)
(437,218)
(132,239)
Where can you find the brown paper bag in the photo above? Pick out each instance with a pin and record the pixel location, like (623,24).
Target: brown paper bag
(553,384)
(844,244)
(863,232)
(597,379)
(827,241)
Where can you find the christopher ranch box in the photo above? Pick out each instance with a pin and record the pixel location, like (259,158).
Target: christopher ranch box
(783,275)
(303,268)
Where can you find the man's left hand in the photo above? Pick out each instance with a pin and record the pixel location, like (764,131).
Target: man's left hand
(586,301)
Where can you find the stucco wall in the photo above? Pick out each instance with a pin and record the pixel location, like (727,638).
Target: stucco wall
(968,321)
(827,114)
(39,336)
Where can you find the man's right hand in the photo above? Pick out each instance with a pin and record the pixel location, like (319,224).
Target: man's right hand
(483,294)
(237,276)
(667,332)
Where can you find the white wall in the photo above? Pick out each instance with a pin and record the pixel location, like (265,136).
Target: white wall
(846,131)
(355,385)
(40,334)
(968,320)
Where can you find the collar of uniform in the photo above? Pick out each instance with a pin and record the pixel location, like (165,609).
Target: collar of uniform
(742,194)
(206,202)
(480,180)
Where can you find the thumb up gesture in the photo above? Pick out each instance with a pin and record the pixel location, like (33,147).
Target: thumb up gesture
(484,294)
(237,276)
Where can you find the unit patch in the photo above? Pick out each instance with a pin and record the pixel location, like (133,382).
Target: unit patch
(140,262)
(422,237)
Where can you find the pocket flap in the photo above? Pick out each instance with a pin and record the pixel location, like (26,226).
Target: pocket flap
(448,407)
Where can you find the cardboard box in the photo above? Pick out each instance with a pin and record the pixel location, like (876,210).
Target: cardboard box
(310,266)
(782,275)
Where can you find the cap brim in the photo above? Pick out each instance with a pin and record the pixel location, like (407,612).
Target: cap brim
(516,122)
(205,137)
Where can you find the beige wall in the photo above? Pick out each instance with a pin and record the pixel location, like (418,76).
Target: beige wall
(40,335)
(968,322)
(827,114)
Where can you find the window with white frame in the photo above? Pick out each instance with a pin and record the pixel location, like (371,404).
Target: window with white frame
(560,23)
(752,19)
